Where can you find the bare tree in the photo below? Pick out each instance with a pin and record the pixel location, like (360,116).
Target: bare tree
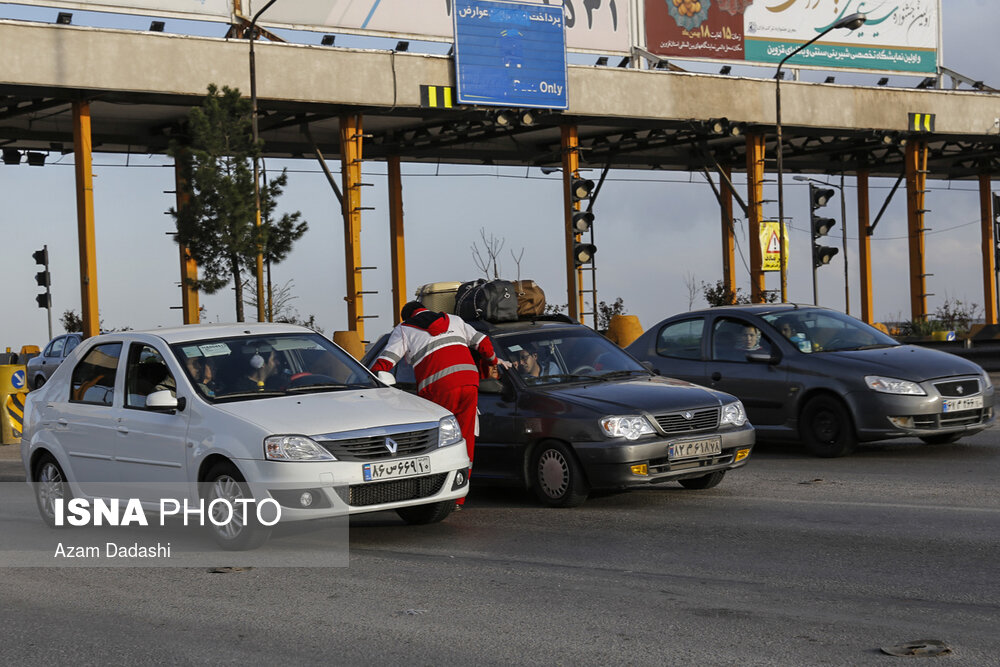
(491,247)
(692,288)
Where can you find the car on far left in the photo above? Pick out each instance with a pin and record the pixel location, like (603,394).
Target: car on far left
(40,368)
(241,413)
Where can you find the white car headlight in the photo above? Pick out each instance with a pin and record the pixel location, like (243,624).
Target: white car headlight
(987,381)
(630,428)
(295,448)
(734,414)
(448,431)
(894,386)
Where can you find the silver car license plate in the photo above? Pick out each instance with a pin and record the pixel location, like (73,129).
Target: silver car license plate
(691,449)
(376,472)
(956,404)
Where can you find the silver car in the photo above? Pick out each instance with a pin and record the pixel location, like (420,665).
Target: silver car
(242,411)
(39,369)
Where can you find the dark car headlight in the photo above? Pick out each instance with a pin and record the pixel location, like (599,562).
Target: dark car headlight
(894,386)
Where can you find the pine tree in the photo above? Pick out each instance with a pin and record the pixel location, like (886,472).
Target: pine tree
(218,224)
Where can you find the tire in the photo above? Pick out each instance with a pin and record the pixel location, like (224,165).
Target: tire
(49,484)
(708,481)
(942,439)
(557,478)
(826,428)
(39,381)
(242,533)
(424,514)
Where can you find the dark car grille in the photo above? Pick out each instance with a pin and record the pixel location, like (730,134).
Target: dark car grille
(374,447)
(950,419)
(701,420)
(394,491)
(958,388)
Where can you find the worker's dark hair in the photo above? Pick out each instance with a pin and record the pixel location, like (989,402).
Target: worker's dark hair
(407,311)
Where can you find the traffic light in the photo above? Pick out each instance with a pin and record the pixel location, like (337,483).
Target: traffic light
(582,221)
(818,198)
(43,279)
(581,189)
(583,253)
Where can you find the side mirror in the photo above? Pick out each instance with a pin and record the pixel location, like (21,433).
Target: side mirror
(162,400)
(490,386)
(386,377)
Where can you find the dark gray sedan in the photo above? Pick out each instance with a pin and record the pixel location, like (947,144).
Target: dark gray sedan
(822,377)
(576,413)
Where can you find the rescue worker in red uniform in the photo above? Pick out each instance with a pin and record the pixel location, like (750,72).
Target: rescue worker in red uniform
(438,345)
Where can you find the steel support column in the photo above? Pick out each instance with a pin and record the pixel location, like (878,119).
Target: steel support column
(728,237)
(397,247)
(90,312)
(350,156)
(190,309)
(570,170)
(864,247)
(755,195)
(916,188)
(989,245)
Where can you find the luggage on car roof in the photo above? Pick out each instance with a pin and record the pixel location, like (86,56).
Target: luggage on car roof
(493,301)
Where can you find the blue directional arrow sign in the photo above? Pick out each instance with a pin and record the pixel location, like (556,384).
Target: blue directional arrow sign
(510,54)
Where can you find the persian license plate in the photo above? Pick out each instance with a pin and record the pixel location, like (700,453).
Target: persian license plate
(376,472)
(691,449)
(956,404)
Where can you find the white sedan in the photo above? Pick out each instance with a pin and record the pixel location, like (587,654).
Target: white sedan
(243,411)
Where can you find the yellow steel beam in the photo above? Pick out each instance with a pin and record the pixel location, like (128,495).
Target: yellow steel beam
(864,247)
(916,187)
(989,243)
(189,268)
(350,155)
(85,219)
(397,242)
(755,195)
(570,170)
(728,237)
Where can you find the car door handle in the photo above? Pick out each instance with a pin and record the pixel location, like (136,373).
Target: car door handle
(122,429)
(716,376)
(62,421)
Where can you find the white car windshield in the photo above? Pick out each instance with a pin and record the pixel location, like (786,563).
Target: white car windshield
(248,367)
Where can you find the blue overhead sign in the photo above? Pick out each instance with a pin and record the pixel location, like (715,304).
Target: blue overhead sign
(510,54)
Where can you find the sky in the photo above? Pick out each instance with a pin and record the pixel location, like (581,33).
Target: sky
(657,233)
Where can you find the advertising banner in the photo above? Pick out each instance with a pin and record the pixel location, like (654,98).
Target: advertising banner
(591,25)
(204,10)
(899,35)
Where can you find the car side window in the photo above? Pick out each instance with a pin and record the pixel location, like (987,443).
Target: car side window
(56,347)
(71,343)
(93,378)
(146,373)
(681,340)
(732,339)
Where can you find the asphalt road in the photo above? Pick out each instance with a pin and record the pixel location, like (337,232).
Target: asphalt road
(790,561)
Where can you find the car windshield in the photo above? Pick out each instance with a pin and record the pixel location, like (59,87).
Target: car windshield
(565,355)
(814,330)
(249,367)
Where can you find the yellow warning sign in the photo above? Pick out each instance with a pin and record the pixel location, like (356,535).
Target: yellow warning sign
(770,247)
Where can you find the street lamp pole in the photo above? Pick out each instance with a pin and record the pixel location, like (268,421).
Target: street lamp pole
(851,22)
(256,160)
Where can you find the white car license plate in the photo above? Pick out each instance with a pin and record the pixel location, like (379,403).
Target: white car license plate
(956,404)
(694,448)
(375,472)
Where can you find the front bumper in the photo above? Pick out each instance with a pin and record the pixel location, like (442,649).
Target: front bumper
(609,464)
(880,416)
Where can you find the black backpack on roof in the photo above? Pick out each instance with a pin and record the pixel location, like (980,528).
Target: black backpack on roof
(493,301)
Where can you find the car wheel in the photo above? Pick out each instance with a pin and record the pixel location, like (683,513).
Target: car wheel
(708,481)
(243,532)
(50,485)
(423,514)
(39,381)
(826,428)
(558,479)
(942,439)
